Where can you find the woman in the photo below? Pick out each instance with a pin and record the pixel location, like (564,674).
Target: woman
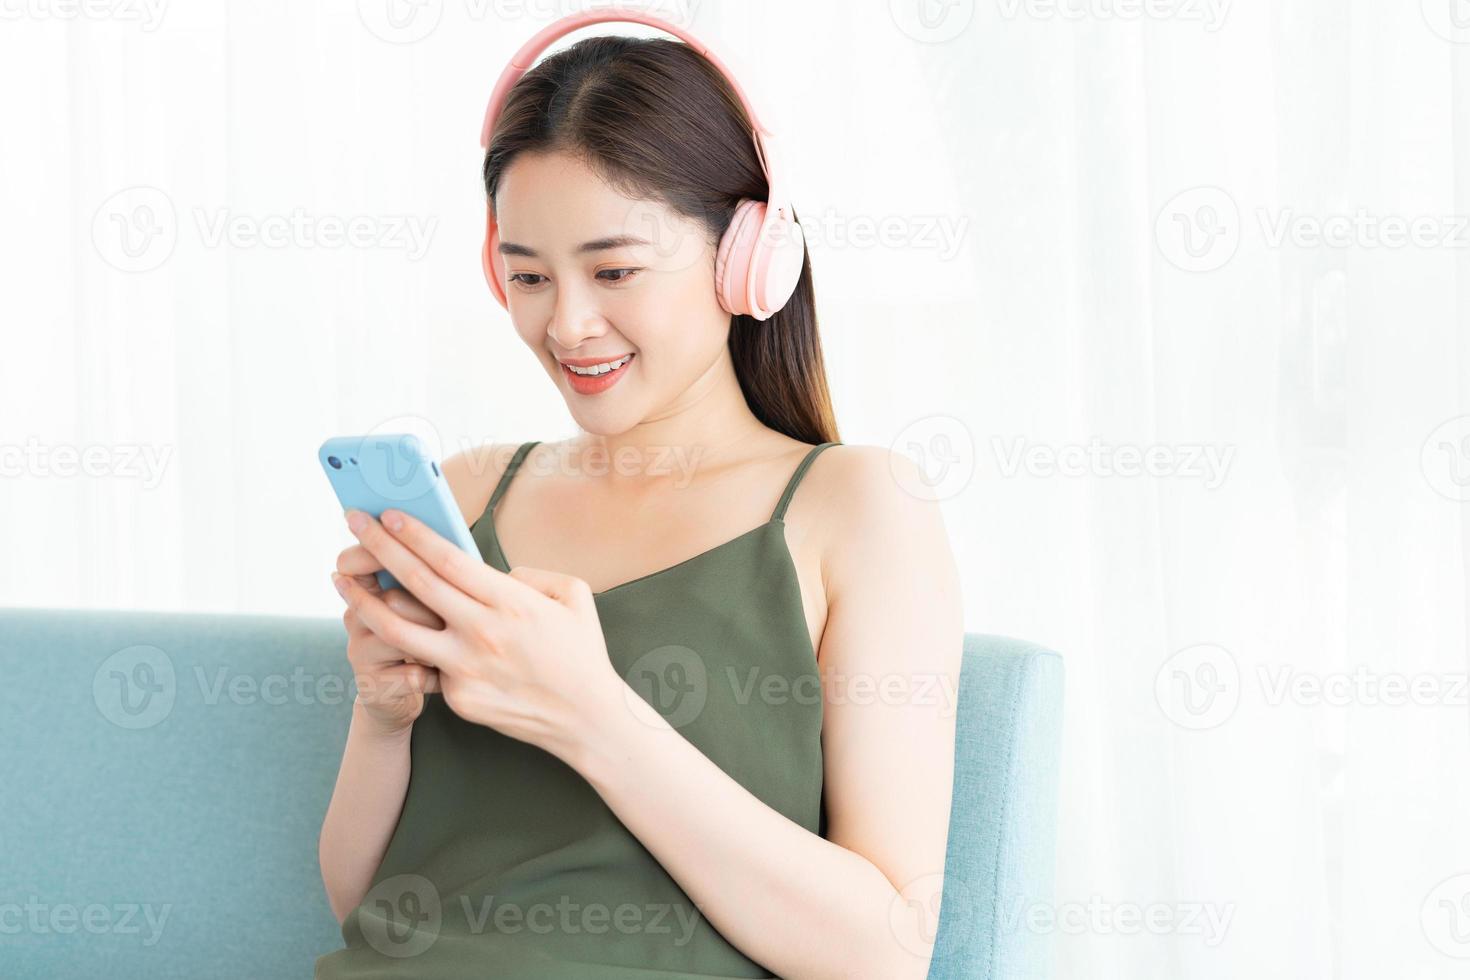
(646,764)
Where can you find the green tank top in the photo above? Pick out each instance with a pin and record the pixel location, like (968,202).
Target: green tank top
(507,863)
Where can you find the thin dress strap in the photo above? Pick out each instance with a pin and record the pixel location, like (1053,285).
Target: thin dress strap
(510,471)
(779,514)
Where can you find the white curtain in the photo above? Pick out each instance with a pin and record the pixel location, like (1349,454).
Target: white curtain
(1168,296)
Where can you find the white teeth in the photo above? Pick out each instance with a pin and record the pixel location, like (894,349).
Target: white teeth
(601,368)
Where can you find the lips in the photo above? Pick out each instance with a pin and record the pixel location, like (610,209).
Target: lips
(590,384)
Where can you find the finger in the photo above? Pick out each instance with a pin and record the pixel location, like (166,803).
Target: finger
(370,653)
(357,560)
(418,575)
(431,646)
(404,605)
(419,678)
(400,680)
(554,585)
(407,607)
(468,573)
(411,609)
(355,627)
(358,563)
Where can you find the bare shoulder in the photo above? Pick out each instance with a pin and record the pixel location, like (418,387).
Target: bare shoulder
(877,524)
(851,486)
(473,473)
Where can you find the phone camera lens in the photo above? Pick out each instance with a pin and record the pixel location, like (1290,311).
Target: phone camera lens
(334,462)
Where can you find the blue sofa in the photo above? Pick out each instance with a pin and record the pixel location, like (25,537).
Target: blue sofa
(166,775)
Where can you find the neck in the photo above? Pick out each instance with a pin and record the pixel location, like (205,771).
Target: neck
(706,425)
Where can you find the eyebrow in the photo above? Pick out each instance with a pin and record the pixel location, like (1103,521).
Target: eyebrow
(596,245)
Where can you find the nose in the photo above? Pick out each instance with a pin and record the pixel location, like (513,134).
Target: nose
(575,318)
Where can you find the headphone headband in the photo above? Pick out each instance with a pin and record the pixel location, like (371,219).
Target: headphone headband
(522,61)
(762,251)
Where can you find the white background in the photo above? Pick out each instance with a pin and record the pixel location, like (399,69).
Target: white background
(1084,231)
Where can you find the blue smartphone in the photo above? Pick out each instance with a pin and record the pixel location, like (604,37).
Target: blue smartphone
(375,472)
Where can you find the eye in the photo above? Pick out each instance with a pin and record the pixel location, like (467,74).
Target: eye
(624,278)
(516,278)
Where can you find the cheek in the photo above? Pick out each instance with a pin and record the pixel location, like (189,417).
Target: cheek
(687,296)
(531,330)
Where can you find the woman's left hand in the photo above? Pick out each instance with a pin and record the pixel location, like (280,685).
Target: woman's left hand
(522,653)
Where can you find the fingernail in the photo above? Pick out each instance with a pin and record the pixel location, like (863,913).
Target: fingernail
(392,520)
(340,581)
(356,520)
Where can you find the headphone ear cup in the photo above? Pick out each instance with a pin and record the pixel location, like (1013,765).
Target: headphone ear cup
(755,275)
(776,264)
(490,261)
(732,260)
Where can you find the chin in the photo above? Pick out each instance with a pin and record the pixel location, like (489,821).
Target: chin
(603,423)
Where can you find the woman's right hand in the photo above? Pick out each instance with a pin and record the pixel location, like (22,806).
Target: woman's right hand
(390,684)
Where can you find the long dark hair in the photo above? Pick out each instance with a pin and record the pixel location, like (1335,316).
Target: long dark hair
(655,119)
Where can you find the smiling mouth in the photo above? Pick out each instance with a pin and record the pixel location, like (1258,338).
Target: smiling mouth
(593,370)
(592,379)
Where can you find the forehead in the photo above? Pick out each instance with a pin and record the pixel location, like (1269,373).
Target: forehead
(554,201)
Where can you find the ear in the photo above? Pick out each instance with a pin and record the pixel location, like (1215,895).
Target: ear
(490,259)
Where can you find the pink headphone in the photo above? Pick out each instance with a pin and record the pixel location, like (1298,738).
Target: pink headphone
(760,256)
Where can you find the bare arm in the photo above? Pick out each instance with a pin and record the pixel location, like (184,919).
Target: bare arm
(366,803)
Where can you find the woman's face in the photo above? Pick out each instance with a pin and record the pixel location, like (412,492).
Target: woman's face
(593,276)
